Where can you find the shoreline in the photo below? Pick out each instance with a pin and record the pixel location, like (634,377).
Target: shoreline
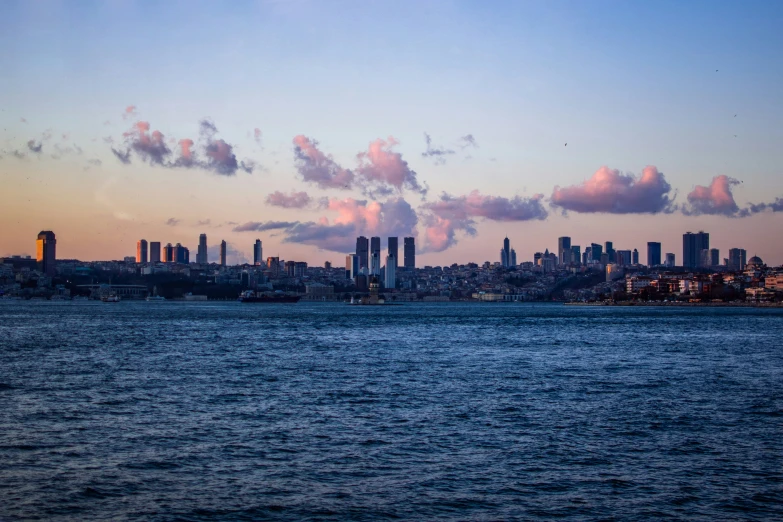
(680,304)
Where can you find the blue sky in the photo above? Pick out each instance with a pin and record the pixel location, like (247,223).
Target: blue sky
(625,84)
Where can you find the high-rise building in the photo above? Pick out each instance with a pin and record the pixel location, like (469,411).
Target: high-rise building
(737,258)
(141,251)
(595,253)
(168,253)
(390,272)
(202,257)
(223,253)
(576,254)
(351,266)
(393,248)
(363,251)
(273,267)
(564,256)
(375,263)
(704,258)
(623,257)
(714,257)
(181,254)
(635,257)
(300,269)
(653,254)
(155,252)
(692,245)
(290,266)
(505,254)
(46,252)
(375,248)
(669,260)
(409,250)
(258,253)
(513,261)
(609,251)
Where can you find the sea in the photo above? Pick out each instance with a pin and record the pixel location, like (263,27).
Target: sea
(438,411)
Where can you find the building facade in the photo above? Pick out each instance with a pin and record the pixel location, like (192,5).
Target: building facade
(258,253)
(692,245)
(141,251)
(223,253)
(564,256)
(653,254)
(46,252)
(363,252)
(155,252)
(409,250)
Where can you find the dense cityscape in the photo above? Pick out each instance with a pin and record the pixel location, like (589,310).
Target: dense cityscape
(599,273)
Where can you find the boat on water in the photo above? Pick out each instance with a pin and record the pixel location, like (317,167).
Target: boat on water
(111,298)
(155,298)
(250,296)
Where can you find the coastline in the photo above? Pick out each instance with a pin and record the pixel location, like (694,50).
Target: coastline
(681,304)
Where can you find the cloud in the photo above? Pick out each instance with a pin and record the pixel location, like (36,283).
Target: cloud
(444,218)
(292,200)
(437,153)
(261,226)
(775,206)
(316,167)
(172,222)
(610,191)
(382,168)
(716,199)
(257,135)
(468,141)
(124,157)
(394,217)
(130,112)
(23,120)
(151,147)
(35,147)
(203,222)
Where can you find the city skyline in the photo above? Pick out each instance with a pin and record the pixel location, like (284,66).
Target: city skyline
(530,156)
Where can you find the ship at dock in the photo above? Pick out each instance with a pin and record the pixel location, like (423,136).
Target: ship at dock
(250,296)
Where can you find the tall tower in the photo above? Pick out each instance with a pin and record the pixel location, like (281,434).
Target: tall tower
(258,253)
(409,250)
(564,250)
(141,251)
(506,257)
(692,245)
(155,252)
(362,250)
(653,253)
(393,248)
(46,254)
(223,253)
(201,254)
(391,272)
(609,251)
(168,253)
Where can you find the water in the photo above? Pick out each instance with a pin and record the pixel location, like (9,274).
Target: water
(164,411)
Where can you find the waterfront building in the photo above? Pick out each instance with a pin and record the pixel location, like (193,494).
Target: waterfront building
(363,250)
(653,254)
(201,253)
(273,267)
(409,250)
(155,252)
(390,280)
(289,268)
(351,266)
(141,251)
(692,245)
(300,269)
(258,253)
(46,252)
(223,256)
(564,252)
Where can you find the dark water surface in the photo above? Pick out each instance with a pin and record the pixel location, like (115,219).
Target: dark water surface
(202,411)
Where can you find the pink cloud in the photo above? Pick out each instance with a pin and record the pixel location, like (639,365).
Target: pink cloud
(257,135)
(383,167)
(610,191)
(130,112)
(150,146)
(316,167)
(292,200)
(716,199)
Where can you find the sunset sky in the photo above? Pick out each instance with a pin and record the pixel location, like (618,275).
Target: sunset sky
(307,123)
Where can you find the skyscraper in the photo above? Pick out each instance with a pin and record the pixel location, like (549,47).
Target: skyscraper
(669,260)
(393,249)
(46,252)
(513,261)
(351,266)
(737,258)
(595,252)
(576,254)
(141,251)
(609,251)
(155,252)
(409,250)
(714,257)
(505,254)
(258,253)
(272,266)
(202,257)
(375,263)
(363,251)
(223,256)
(391,272)
(181,254)
(653,253)
(375,248)
(692,245)
(635,257)
(168,253)
(564,250)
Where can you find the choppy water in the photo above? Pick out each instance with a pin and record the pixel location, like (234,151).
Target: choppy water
(202,411)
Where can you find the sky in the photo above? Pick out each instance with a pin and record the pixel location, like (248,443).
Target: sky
(308,123)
